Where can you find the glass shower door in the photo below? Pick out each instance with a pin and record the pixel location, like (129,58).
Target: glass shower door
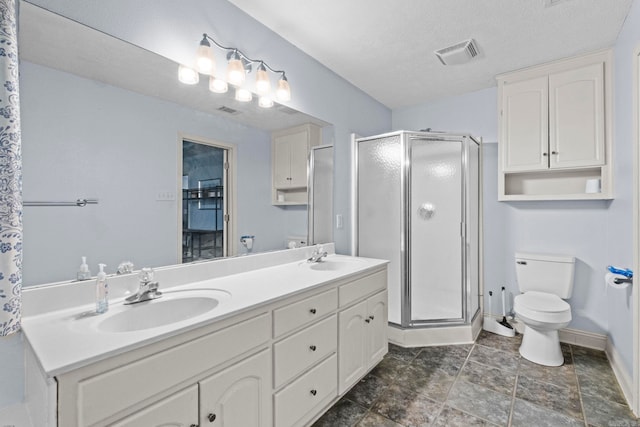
(436,207)
(380,210)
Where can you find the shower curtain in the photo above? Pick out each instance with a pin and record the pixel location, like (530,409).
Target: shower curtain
(10,173)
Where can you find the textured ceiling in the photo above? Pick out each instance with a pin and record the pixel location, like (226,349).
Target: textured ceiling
(385,47)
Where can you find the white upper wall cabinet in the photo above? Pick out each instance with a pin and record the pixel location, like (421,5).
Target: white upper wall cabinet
(290,157)
(555,130)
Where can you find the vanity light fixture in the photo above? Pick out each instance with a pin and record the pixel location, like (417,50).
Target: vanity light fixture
(265,102)
(238,66)
(188,75)
(243,95)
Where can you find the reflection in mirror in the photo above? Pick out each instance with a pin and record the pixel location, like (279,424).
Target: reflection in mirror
(321,195)
(108,123)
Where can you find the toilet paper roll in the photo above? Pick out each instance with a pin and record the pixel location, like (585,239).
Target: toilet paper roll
(609,281)
(592,186)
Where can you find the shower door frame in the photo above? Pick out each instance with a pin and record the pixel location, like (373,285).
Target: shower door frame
(407,312)
(405,223)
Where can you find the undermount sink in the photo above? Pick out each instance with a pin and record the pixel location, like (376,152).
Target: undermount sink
(329,265)
(172,307)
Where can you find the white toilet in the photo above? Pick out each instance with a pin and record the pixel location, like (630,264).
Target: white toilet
(545,281)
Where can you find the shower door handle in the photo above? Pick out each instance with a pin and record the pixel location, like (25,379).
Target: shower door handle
(426,211)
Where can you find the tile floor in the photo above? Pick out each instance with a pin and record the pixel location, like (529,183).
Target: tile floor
(484,384)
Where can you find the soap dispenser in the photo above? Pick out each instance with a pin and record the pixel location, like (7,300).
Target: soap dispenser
(102,291)
(83,271)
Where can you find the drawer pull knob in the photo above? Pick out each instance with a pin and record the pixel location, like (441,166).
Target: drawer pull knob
(371,317)
(545,154)
(312,311)
(211,417)
(193,425)
(367,320)
(314,392)
(312,347)
(554,152)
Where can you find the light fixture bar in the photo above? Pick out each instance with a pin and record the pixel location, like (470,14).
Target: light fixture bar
(238,65)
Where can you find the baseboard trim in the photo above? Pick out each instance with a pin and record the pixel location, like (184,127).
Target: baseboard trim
(583,338)
(445,335)
(566,335)
(623,377)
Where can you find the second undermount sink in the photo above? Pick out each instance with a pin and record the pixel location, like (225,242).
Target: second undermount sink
(173,307)
(332,264)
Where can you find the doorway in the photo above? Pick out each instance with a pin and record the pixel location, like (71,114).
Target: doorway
(205,200)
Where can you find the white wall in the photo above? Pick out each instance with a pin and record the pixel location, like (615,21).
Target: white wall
(173,29)
(619,233)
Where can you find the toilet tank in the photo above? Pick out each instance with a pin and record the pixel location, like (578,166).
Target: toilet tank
(545,273)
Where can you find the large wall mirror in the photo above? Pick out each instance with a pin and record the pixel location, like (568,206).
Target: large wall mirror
(103,119)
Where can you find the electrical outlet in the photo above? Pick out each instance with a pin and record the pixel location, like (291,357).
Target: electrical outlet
(339,221)
(165,196)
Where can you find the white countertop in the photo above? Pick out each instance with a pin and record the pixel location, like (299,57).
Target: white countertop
(69,338)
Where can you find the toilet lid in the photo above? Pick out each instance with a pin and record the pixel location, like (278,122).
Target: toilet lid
(542,302)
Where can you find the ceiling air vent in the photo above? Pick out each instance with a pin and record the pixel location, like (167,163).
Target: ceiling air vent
(228,110)
(459,53)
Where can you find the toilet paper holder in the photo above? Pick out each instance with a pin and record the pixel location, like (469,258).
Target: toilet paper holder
(627,273)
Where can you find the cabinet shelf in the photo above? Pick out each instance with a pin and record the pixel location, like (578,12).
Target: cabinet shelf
(568,184)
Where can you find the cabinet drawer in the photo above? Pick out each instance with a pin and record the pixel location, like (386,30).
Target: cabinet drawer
(142,379)
(362,287)
(303,349)
(288,318)
(298,402)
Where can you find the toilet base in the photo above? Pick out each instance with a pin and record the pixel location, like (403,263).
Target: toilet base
(541,347)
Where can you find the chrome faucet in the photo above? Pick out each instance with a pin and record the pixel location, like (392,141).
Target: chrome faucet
(317,254)
(147,289)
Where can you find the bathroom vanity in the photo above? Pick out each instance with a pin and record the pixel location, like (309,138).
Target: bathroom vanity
(267,340)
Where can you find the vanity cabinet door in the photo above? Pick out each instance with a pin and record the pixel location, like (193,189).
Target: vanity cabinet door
(239,395)
(352,348)
(378,345)
(179,410)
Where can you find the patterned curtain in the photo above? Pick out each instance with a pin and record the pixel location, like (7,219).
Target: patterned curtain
(10,173)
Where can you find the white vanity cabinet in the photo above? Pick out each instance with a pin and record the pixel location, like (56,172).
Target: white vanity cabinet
(142,382)
(555,129)
(289,163)
(362,329)
(279,364)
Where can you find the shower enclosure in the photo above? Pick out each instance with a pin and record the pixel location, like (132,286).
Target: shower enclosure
(418,206)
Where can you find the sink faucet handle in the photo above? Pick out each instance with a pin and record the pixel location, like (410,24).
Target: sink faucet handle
(146,275)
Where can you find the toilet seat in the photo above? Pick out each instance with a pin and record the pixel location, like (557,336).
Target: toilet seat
(542,307)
